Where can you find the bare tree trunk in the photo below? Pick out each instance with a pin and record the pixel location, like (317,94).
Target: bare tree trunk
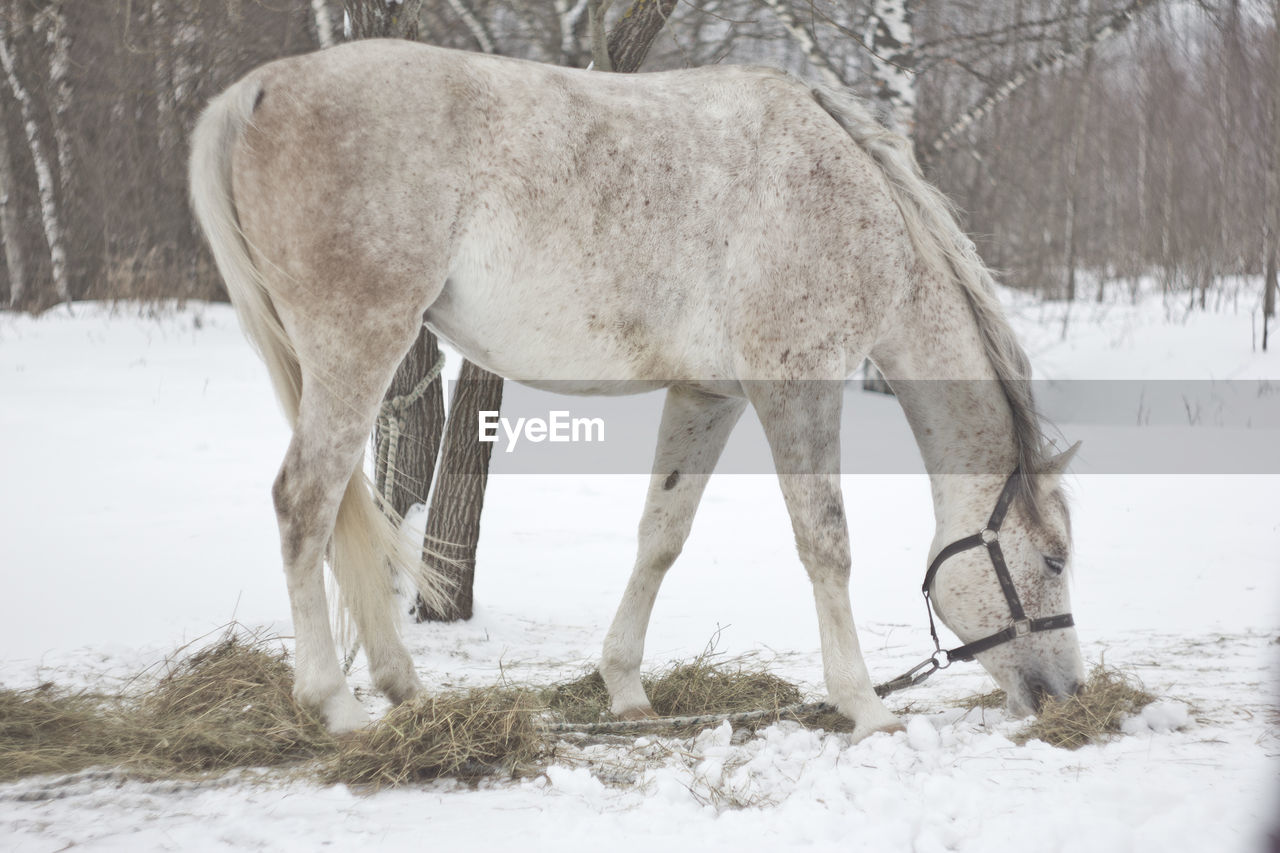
(49,212)
(60,86)
(635,32)
(889,42)
(10,229)
(892,62)
(324,25)
(453,521)
(474,24)
(417,434)
(801,35)
(1080,114)
(1114,25)
(453,524)
(421,420)
(1273,187)
(383,18)
(568,17)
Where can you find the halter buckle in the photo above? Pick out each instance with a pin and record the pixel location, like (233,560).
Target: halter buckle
(1022,627)
(989,536)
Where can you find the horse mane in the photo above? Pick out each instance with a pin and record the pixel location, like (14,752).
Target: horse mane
(932,226)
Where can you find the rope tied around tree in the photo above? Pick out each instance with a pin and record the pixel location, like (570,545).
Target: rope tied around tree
(391,420)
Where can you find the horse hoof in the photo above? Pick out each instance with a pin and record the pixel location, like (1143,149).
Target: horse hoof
(632,715)
(889,726)
(401,690)
(342,714)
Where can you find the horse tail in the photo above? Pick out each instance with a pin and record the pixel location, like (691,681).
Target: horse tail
(366,539)
(941,245)
(212,199)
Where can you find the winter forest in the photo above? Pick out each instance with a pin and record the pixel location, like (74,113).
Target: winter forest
(1084,141)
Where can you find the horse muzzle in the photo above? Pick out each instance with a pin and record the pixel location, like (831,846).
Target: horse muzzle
(1032,690)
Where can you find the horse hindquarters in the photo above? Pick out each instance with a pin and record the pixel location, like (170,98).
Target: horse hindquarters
(329,374)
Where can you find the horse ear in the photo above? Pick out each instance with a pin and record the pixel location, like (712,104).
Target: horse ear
(1055,466)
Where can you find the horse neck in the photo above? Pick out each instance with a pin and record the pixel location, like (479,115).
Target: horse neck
(944,379)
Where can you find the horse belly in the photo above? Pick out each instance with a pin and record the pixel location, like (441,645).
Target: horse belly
(546,333)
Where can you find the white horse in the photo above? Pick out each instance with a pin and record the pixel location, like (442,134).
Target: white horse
(727,233)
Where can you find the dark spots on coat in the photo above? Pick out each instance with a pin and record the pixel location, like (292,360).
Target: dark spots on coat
(257,102)
(786,354)
(835,512)
(672,479)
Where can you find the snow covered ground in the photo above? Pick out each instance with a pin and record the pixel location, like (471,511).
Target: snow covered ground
(137,457)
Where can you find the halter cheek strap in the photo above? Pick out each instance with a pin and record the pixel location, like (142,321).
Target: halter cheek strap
(990,538)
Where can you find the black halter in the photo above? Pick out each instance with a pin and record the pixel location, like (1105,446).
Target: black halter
(1019,626)
(990,537)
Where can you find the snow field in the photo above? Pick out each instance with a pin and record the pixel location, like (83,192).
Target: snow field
(135,515)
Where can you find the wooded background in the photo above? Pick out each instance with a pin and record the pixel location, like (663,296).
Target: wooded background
(1151,151)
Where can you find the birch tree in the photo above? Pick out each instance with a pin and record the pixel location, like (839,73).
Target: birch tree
(50,214)
(1272,228)
(888,41)
(10,229)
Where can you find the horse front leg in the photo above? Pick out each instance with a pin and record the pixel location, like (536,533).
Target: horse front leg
(801,421)
(694,430)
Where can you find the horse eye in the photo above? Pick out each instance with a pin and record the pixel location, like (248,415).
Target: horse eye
(1055,564)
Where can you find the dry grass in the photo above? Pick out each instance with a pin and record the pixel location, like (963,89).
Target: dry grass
(1108,697)
(229,705)
(226,706)
(466,735)
(46,730)
(705,685)
(992,699)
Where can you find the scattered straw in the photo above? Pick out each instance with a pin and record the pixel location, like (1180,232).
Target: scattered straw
(47,730)
(227,706)
(466,735)
(231,705)
(989,700)
(708,684)
(1108,697)
(580,700)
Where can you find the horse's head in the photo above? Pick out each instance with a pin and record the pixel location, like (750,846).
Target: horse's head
(1032,655)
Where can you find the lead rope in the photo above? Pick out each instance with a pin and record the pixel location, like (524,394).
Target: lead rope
(391,418)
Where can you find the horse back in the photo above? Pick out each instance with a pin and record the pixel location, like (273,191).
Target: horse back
(671,226)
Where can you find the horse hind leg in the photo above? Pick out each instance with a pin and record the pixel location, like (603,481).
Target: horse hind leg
(801,421)
(307,493)
(321,497)
(694,430)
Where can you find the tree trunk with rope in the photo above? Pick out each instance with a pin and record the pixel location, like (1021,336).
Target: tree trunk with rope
(411,423)
(453,523)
